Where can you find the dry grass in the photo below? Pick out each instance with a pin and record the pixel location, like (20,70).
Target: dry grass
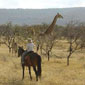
(54,72)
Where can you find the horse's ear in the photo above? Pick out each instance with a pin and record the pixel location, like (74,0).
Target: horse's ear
(18,46)
(22,46)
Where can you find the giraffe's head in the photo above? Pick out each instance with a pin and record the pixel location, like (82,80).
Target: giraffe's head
(59,16)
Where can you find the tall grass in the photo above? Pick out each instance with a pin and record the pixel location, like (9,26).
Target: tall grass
(54,72)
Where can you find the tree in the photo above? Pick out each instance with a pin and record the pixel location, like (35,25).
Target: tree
(73,34)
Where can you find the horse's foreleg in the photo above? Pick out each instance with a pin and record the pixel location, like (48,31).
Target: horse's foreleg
(34,68)
(23,72)
(30,72)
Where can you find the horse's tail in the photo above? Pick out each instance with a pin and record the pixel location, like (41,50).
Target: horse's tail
(39,66)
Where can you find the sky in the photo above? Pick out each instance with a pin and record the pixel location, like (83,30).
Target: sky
(41,4)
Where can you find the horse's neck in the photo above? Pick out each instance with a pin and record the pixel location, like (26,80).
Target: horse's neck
(24,50)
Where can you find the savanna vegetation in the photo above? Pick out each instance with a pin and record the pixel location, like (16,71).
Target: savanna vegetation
(63,55)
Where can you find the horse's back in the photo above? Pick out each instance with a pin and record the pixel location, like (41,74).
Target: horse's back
(34,58)
(36,55)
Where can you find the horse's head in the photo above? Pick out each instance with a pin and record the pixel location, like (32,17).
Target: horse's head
(20,51)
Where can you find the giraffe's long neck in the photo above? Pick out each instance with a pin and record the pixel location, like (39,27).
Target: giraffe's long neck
(54,22)
(51,27)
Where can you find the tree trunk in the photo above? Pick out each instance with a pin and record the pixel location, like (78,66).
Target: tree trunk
(9,49)
(48,53)
(68,58)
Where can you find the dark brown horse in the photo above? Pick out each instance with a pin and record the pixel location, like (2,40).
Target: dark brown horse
(35,61)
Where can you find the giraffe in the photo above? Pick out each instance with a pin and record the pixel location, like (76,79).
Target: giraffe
(51,27)
(48,33)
